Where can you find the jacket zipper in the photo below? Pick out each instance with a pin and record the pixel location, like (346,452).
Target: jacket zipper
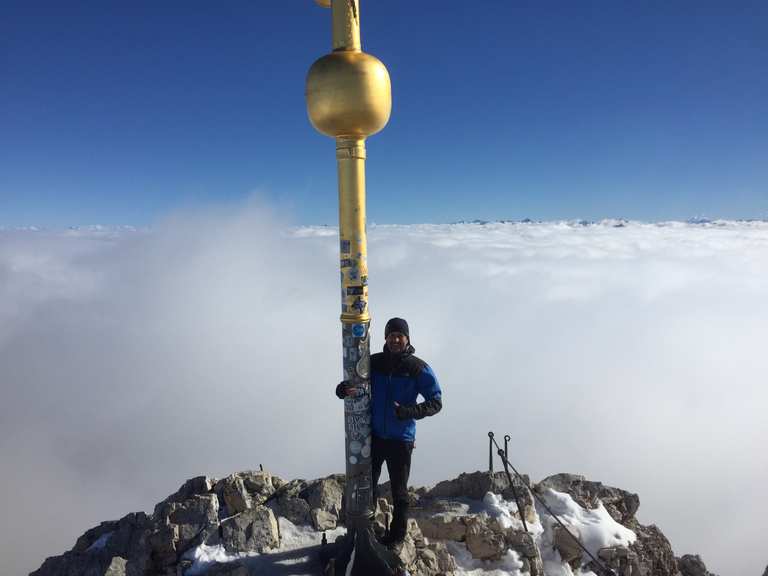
(386,405)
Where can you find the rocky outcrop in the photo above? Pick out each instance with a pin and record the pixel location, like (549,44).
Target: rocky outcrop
(119,548)
(253,530)
(241,516)
(693,565)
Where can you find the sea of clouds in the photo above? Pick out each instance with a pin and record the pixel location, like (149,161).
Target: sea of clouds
(632,353)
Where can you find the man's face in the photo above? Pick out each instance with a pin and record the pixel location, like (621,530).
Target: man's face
(397,342)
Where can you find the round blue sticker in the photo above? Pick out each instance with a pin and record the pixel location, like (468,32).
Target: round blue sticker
(358,330)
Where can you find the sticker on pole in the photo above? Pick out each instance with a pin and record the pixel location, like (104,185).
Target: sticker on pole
(358,330)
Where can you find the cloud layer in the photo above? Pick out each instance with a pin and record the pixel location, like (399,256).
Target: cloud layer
(132,360)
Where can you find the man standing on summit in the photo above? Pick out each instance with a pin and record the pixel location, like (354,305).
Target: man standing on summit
(397,379)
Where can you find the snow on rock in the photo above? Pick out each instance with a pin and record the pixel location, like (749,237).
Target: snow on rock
(509,564)
(470,525)
(292,538)
(596,528)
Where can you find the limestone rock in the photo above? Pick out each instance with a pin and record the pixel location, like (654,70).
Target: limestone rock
(414,495)
(291,508)
(194,486)
(294,488)
(692,565)
(252,530)
(195,519)
(117,567)
(470,485)
(443,527)
(622,560)
(163,545)
(567,547)
(95,552)
(477,484)
(483,542)
(426,564)
(259,484)
(326,494)
(142,545)
(406,551)
(654,552)
(233,494)
(445,560)
(323,520)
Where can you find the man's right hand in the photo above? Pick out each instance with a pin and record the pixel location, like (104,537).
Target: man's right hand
(344,389)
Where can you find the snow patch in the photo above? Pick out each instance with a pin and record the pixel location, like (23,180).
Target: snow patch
(292,537)
(595,528)
(509,565)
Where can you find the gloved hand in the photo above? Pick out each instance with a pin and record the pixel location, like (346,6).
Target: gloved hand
(343,389)
(403,412)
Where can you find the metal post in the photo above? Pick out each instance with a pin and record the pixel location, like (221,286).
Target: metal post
(349,98)
(490,452)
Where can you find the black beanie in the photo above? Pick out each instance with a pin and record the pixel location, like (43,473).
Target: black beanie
(397,325)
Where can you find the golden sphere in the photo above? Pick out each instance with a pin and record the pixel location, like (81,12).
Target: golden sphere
(348,94)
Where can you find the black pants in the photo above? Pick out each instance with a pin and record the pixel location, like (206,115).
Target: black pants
(397,455)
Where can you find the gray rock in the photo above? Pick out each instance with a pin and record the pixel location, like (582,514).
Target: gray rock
(252,530)
(294,488)
(567,547)
(291,508)
(692,565)
(472,485)
(194,486)
(414,495)
(162,544)
(426,564)
(195,518)
(233,494)
(406,552)
(483,542)
(326,494)
(443,527)
(475,485)
(445,560)
(259,484)
(323,520)
(654,552)
(622,560)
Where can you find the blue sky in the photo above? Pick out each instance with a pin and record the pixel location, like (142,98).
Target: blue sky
(118,113)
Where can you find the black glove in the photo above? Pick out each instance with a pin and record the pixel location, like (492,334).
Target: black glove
(341,389)
(404,412)
(419,411)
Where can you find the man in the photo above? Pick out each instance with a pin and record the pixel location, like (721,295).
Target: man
(397,379)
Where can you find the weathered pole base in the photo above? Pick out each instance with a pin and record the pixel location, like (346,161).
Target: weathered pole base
(358,553)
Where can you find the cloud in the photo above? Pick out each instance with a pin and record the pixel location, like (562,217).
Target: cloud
(131,360)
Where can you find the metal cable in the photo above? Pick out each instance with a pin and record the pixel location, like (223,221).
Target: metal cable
(511,485)
(507,465)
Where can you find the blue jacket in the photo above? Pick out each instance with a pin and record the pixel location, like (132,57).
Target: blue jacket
(402,378)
